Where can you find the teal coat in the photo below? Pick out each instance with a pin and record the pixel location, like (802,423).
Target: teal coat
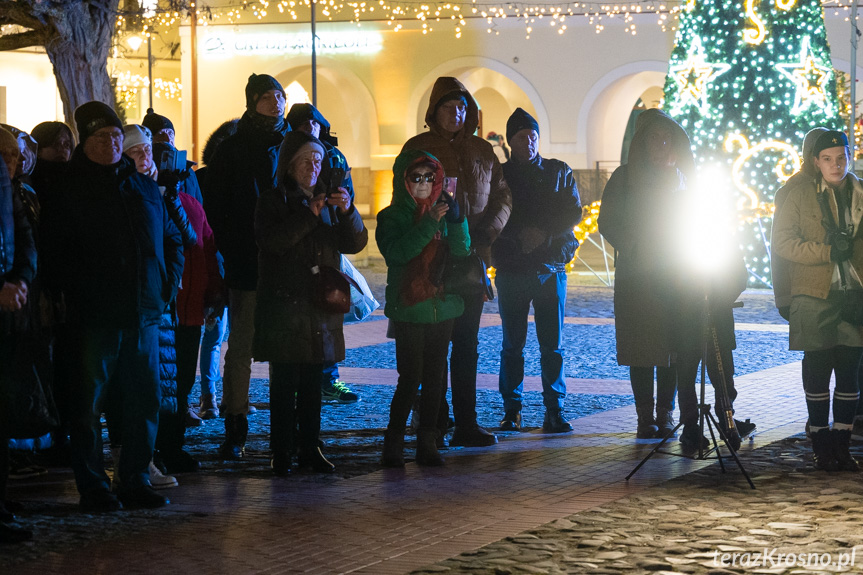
(401,239)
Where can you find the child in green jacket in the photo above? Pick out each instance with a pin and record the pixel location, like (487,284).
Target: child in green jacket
(416,234)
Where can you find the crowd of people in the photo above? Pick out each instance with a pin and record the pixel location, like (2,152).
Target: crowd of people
(128,264)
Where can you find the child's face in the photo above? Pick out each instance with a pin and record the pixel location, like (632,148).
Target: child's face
(420,181)
(833,164)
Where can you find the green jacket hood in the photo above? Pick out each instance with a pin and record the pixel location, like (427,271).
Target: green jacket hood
(403,164)
(444,86)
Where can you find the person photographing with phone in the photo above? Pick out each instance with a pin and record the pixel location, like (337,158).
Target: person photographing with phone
(416,234)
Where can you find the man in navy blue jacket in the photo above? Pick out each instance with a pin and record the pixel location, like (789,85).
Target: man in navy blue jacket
(530,257)
(115,258)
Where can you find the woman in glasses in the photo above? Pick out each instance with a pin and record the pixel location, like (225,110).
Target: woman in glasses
(416,234)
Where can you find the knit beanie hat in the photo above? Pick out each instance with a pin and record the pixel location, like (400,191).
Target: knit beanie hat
(94,116)
(518,121)
(829,139)
(47,133)
(156,123)
(257,85)
(134,135)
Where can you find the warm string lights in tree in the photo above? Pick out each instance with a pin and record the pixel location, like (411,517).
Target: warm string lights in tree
(747,79)
(130,85)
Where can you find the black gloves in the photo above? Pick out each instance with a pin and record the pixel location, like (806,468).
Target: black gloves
(453,215)
(841,247)
(171,180)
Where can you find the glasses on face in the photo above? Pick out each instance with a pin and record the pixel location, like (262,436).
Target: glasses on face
(105,137)
(417,178)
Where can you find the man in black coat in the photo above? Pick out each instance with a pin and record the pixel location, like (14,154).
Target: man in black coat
(114,256)
(530,257)
(243,168)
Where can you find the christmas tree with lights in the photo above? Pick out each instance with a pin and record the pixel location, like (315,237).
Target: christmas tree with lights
(747,80)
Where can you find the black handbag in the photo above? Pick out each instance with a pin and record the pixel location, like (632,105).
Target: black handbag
(331,289)
(468,277)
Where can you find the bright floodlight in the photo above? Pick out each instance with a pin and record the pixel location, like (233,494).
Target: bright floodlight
(707,222)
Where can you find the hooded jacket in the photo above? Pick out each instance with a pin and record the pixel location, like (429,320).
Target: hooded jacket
(243,168)
(301,113)
(636,198)
(292,240)
(17,246)
(482,192)
(401,239)
(780,267)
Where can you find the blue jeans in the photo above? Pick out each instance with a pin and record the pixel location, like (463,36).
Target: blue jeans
(515,293)
(126,361)
(211,353)
(331,373)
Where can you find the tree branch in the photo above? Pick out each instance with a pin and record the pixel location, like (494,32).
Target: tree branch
(16,13)
(23,40)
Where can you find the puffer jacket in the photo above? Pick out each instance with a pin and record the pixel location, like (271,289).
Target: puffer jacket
(401,239)
(17,246)
(202,284)
(168,364)
(482,192)
(243,168)
(544,195)
(800,237)
(292,240)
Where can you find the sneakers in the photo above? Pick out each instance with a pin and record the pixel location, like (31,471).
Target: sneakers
(159,480)
(336,391)
(554,422)
(511,421)
(473,436)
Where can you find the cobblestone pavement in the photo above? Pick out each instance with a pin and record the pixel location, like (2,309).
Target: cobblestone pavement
(798,520)
(637,534)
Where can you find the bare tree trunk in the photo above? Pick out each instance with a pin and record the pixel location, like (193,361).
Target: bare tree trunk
(79,54)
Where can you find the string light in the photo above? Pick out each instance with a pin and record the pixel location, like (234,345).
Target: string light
(129,85)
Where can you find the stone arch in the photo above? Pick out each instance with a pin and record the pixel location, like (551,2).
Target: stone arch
(605,110)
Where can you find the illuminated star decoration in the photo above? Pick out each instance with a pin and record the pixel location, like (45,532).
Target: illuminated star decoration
(810,79)
(693,76)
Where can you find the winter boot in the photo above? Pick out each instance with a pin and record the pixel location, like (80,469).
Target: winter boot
(841,442)
(427,453)
(209,409)
(312,459)
(822,449)
(647,428)
(665,422)
(236,431)
(394,446)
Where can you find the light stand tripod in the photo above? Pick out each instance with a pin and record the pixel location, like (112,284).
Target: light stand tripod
(731,439)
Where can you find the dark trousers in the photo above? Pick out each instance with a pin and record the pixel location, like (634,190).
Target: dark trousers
(515,292)
(126,362)
(817,368)
(641,379)
(687,390)
(295,406)
(421,350)
(463,361)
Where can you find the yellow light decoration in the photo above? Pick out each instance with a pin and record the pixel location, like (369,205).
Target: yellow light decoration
(783,169)
(811,79)
(756,35)
(588,225)
(694,74)
(128,86)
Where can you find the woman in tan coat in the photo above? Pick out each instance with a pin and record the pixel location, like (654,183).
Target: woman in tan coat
(821,262)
